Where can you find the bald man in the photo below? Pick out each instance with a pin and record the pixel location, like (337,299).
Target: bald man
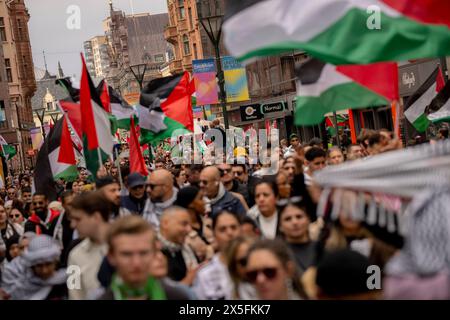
(181,261)
(161,195)
(215,191)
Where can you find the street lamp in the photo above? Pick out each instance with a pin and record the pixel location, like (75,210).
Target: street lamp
(55,117)
(40,112)
(212,24)
(138,71)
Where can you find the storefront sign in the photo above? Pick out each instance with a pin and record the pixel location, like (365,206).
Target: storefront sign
(272,107)
(251,112)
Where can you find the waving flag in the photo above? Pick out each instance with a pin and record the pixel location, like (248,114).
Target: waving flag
(166,106)
(117,106)
(339,31)
(137,163)
(97,135)
(55,160)
(323,88)
(416,105)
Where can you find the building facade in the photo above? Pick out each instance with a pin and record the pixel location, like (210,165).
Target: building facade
(19,69)
(134,40)
(187,38)
(96,55)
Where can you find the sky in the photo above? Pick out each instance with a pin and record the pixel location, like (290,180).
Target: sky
(49,31)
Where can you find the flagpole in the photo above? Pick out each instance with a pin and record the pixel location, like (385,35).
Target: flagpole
(118,168)
(99,159)
(336,127)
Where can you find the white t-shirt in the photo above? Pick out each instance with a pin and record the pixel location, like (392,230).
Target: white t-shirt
(213,281)
(268,225)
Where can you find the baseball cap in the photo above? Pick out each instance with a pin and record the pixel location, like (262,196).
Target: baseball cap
(135,179)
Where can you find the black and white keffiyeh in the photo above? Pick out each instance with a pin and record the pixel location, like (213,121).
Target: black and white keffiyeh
(379,190)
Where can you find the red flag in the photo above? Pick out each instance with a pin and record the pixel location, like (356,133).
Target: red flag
(137,163)
(440,82)
(88,122)
(106,103)
(66,153)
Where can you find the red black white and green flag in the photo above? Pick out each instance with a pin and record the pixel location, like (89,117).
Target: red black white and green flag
(339,31)
(416,106)
(97,134)
(165,108)
(117,106)
(55,160)
(324,88)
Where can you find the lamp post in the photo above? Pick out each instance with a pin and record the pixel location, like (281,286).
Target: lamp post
(138,71)
(55,117)
(41,114)
(212,24)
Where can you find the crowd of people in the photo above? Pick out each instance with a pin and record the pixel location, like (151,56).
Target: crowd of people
(193,231)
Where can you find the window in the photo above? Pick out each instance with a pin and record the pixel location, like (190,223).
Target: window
(190,18)
(49,106)
(2,29)
(8,70)
(2,113)
(181,10)
(187,49)
(19,28)
(159,58)
(194,46)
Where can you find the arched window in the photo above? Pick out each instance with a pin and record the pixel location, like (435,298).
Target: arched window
(186,46)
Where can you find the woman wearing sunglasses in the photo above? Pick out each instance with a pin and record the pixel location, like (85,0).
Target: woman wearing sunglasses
(237,262)
(271,268)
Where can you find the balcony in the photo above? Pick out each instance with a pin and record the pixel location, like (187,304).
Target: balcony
(187,62)
(182,25)
(171,34)
(175,66)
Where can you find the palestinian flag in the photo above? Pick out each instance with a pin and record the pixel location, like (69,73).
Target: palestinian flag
(55,160)
(96,125)
(66,83)
(416,105)
(324,88)
(117,106)
(339,31)
(7,151)
(439,109)
(165,107)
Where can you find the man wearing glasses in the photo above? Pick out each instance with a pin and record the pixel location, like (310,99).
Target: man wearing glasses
(220,198)
(161,195)
(134,202)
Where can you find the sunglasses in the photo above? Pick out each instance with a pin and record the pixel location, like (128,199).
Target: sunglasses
(16,216)
(269,273)
(242,261)
(238,173)
(224,171)
(153,185)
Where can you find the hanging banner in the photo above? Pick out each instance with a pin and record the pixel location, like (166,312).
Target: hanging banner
(205,81)
(36,138)
(235,80)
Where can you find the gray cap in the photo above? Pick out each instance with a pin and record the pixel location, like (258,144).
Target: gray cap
(136,179)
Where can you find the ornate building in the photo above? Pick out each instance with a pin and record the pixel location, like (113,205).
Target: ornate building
(134,40)
(18,63)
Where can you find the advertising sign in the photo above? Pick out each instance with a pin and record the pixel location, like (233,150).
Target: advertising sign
(235,80)
(205,81)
